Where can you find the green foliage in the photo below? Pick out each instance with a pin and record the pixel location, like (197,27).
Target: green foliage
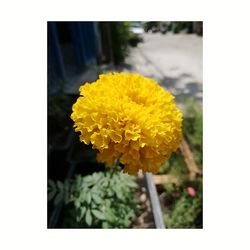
(99,200)
(151,26)
(179,26)
(192,127)
(187,211)
(175,28)
(134,39)
(175,166)
(192,130)
(169,187)
(120,38)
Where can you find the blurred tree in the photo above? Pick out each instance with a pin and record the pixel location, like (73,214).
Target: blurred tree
(120,40)
(151,26)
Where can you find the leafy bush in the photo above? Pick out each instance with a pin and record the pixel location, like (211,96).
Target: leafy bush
(120,39)
(103,199)
(192,126)
(187,211)
(151,26)
(179,26)
(176,166)
(134,39)
(192,130)
(175,28)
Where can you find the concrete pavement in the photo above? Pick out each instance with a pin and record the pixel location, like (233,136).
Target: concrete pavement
(175,61)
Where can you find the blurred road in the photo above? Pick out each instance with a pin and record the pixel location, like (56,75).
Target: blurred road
(175,61)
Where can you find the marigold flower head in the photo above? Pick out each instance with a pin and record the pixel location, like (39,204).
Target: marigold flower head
(129,118)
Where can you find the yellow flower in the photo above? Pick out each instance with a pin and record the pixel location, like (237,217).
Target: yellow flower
(129,118)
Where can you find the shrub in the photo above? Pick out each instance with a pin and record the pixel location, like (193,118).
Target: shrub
(187,211)
(120,39)
(176,166)
(192,131)
(103,199)
(179,26)
(185,207)
(192,127)
(134,39)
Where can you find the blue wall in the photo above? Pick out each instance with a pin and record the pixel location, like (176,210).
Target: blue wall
(80,37)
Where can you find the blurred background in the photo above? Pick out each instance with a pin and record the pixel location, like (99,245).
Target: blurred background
(168,52)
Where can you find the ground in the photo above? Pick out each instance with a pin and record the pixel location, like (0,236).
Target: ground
(174,60)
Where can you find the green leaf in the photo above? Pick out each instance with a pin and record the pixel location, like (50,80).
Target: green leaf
(51,183)
(88,197)
(98,214)
(119,194)
(59,185)
(78,181)
(88,217)
(105,183)
(58,198)
(77,203)
(78,218)
(82,196)
(110,193)
(96,198)
(51,194)
(82,213)
(131,184)
(88,180)
(99,177)
(66,185)
(105,224)
(110,216)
